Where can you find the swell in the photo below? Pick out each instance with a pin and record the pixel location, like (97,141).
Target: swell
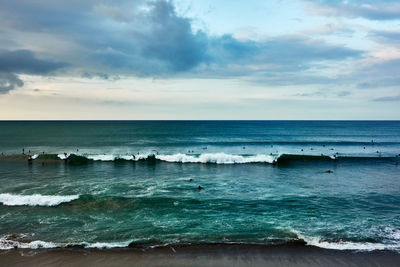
(204,158)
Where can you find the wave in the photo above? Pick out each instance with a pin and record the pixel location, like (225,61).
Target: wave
(217,158)
(390,235)
(205,158)
(34,200)
(11,241)
(224,158)
(349,245)
(7,243)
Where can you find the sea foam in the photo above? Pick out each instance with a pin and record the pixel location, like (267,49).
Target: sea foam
(34,200)
(218,158)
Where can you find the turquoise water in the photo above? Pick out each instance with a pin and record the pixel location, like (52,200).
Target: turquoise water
(264,182)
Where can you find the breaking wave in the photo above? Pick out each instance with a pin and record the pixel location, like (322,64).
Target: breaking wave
(205,158)
(34,200)
(218,158)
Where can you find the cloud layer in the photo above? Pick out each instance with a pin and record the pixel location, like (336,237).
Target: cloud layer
(140,38)
(148,38)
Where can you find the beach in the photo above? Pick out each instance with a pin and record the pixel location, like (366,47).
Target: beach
(204,255)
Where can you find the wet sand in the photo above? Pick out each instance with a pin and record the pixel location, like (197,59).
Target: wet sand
(199,255)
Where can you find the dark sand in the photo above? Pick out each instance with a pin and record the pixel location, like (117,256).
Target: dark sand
(199,255)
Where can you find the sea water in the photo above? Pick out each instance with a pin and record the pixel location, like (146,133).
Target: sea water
(332,184)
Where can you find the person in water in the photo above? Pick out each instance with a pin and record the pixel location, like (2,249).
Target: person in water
(200,188)
(133,156)
(23,151)
(190,180)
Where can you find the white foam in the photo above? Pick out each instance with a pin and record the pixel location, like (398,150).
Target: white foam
(126,157)
(63,156)
(7,243)
(34,200)
(108,245)
(112,157)
(35,156)
(103,157)
(218,158)
(348,245)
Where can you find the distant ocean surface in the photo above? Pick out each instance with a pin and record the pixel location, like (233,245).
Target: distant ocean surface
(331,184)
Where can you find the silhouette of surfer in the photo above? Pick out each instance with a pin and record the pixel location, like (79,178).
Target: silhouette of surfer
(200,188)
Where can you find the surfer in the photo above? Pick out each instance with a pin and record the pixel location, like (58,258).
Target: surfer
(133,156)
(328,171)
(29,158)
(274,162)
(200,188)
(23,151)
(190,180)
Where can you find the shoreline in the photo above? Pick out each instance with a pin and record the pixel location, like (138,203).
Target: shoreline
(199,255)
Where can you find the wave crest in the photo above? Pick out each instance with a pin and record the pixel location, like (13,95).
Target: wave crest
(34,200)
(218,158)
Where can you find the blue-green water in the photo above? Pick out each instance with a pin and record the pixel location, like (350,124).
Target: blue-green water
(264,182)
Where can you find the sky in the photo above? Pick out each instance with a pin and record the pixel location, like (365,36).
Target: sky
(199,60)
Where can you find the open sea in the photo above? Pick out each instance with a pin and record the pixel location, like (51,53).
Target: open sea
(104,184)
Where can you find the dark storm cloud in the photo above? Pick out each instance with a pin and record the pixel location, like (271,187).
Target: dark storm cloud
(8,82)
(373,10)
(24,61)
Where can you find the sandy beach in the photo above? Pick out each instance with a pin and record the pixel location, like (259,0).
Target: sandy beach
(199,255)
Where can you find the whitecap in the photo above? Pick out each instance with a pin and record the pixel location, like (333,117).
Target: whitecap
(34,200)
(217,158)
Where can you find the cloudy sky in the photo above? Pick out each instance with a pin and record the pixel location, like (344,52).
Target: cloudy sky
(199,59)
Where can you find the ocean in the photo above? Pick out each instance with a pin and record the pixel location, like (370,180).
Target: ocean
(107,184)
